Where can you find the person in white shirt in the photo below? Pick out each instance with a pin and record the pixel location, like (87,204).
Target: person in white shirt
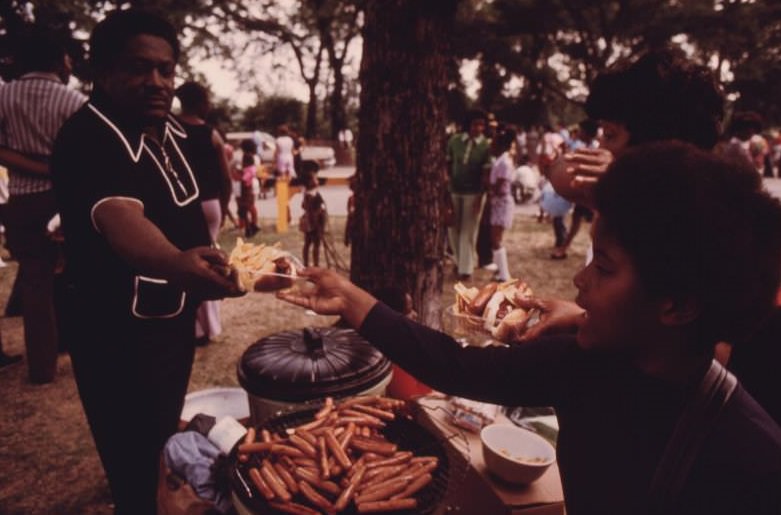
(501,199)
(283,153)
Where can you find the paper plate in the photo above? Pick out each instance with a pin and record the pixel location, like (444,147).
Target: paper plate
(217,402)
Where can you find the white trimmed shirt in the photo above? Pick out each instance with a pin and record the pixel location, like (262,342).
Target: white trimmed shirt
(32,110)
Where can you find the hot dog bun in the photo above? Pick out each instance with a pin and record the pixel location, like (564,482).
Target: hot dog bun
(511,325)
(250,261)
(480,301)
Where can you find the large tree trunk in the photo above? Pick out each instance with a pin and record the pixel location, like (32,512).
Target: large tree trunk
(336,104)
(311,112)
(399,238)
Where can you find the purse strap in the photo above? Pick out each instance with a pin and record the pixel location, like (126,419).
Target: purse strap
(691,430)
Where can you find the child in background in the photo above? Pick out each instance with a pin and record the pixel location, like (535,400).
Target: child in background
(312,222)
(247,210)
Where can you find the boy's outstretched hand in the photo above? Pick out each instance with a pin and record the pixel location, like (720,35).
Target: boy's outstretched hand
(331,294)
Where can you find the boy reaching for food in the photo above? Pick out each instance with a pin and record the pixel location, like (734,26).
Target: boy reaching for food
(676,432)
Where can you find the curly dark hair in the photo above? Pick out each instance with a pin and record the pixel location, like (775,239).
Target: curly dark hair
(505,139)
(110,36)
(192,95)
(696,227)
(39,49)
(660,96)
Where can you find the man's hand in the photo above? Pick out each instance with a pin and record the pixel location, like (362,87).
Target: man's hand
(205,271)
(574,175)
(587,164)
(556,317)
(331,294)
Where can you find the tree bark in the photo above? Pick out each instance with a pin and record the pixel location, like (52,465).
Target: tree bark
(311,112)
(336,103)
(401,171)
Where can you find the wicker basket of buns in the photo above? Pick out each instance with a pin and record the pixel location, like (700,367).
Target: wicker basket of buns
(491,314)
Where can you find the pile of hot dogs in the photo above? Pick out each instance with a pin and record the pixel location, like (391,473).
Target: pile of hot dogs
(338,458)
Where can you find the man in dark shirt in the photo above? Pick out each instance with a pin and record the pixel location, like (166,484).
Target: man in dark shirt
(137,250)
(627,388)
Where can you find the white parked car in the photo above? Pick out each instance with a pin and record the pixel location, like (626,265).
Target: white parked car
(323,155)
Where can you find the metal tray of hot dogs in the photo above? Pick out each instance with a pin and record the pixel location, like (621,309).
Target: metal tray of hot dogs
(380,454)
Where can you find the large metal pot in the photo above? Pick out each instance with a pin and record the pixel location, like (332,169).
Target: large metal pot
(287,369)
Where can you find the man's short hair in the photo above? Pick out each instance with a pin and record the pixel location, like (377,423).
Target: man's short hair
(39,49)
(472,115)
(696,227)
(110,36)
(192,95)
(660,96)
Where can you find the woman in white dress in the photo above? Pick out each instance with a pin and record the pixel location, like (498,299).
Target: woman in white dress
(500,196)
(283,153)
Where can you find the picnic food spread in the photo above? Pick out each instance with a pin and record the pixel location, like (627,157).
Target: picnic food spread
(495,307)
(337,460)
(259,265)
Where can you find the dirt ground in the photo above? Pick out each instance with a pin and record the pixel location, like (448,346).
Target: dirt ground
(48,463)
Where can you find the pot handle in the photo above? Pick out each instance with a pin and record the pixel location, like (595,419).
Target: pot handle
(314,342)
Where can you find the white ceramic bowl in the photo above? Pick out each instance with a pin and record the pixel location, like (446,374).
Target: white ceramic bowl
(217,402)
(514,454)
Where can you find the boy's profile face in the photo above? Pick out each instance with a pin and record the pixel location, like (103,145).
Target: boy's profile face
(619,313)
(614,138)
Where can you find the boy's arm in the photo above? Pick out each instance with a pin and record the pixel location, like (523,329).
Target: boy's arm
(532,374)
(18,161)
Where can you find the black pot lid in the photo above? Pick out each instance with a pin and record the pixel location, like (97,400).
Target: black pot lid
(296,366)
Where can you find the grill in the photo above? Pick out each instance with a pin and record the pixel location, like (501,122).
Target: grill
(404,432)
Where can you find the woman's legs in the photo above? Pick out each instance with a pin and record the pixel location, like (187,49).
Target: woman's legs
(499,253)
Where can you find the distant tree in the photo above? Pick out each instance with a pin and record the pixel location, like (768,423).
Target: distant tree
(17,16)
(744,37)
(271,112)
(555,48)
(283,26)
(399,197)
(224,115)
(338,22)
